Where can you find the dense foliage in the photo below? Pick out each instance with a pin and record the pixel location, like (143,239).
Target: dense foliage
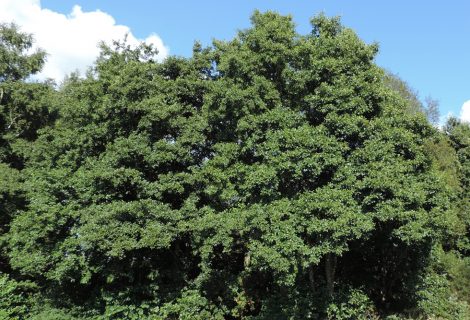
(273,176)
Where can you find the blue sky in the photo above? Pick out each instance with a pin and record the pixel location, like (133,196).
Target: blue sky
(427,43)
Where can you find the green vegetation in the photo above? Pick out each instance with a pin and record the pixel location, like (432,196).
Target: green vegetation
(273,176)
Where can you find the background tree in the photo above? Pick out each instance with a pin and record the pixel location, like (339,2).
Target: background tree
(432,110)
(25,107)
(453,258)
(430,107)
(446,149)
(400,86)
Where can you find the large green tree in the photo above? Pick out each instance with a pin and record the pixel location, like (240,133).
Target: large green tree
(275,175)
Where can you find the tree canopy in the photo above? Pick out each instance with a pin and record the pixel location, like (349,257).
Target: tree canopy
(272,176)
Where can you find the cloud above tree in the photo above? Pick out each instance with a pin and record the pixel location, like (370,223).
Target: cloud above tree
(465,111)
(71,40)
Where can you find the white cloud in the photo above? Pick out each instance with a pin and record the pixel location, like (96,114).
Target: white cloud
(71,41)
(465,111)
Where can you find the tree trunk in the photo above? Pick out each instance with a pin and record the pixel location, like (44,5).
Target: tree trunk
(247,260)
(330,267)
(311,278)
